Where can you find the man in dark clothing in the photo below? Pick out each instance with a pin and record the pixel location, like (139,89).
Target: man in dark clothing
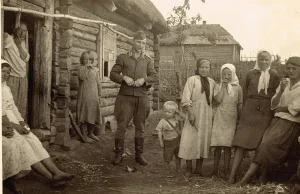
(137,75)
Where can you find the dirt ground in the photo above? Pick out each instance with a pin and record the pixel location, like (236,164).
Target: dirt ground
(91,163)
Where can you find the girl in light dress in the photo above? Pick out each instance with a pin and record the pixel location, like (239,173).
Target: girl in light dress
(228,95)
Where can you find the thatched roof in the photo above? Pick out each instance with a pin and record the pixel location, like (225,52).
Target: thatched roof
(198,35)
(143,10)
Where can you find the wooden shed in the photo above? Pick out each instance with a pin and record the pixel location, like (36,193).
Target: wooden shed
(209,41)
(55,46)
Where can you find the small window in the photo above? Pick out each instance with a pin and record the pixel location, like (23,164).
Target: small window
(105,69)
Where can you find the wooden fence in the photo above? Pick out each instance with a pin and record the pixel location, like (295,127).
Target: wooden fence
(169,88)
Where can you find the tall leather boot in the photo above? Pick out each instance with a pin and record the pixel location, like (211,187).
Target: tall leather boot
(119,147)
(139,145)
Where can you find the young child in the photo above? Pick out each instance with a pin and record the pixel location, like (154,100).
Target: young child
(89,92)
(169,134)
(196,132)
(228,95)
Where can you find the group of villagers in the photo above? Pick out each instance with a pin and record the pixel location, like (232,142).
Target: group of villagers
(261,116)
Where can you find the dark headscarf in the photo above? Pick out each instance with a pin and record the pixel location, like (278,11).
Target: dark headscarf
(204,80)
(294,60)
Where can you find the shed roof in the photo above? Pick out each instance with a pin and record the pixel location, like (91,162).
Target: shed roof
(197,34)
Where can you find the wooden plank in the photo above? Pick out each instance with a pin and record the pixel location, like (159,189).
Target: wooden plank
(76,52)
(107,101)
(108,110)
(99,48)
(36,69)
(110,85)
(85,36)
(81,27)
(40,3)
(84,44)
(24,5)
(110,92)
(42,70)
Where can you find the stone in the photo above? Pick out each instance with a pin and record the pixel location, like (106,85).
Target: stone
(42,134)
(71,145)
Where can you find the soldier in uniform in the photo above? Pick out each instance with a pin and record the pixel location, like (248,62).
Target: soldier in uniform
(135,72)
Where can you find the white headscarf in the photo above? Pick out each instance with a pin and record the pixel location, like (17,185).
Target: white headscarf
(234,79)
(264,78)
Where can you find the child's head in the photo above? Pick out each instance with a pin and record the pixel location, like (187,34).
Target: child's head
(87,58)
(170,107)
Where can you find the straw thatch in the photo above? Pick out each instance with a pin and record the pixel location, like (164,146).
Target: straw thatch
(143,10)
(198,35)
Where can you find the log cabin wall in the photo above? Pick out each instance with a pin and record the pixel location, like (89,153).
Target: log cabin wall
(106,46)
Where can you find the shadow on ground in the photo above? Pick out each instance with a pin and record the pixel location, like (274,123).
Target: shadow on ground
(91,163)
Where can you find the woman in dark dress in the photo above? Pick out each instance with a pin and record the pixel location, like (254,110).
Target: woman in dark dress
(281,138)
(259,86)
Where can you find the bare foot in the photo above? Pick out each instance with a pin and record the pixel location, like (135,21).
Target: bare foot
(61,179)
(67,176)
(94,137)
(88,140)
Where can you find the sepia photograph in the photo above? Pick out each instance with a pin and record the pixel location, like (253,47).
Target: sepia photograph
(150,96)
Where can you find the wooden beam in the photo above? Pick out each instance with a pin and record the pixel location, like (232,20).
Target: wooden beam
(99,49)
(40,3)
(43,67)
(23,5)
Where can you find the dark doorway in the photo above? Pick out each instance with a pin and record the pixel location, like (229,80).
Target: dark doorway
(9,24)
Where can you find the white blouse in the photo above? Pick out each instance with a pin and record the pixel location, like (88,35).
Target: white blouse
(8,103)
(290,98)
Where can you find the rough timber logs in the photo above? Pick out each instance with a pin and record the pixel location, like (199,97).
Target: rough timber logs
(109,92)
(98,11)
(107,101)
(108,110)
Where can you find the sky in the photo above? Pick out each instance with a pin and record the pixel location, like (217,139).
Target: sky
(273,25)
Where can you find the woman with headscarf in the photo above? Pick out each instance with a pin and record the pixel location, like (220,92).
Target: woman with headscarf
(196,133)
(280,140)
(22,150)
(228,95)
(259,87)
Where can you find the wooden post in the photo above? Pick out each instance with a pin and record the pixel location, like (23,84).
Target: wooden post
(100,62)
(156,66)
(42,68)
(2,28)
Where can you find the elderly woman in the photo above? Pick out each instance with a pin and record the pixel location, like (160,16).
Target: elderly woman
(259,86)
(21,149)
(281,138)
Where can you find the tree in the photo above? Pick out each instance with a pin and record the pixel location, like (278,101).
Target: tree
(179,20)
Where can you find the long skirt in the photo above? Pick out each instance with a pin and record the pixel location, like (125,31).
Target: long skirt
(255,119)
(19,90)
(279,140)
(20,151)
(17,156)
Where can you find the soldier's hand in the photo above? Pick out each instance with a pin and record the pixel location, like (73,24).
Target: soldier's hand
(129,81)
(139,82)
